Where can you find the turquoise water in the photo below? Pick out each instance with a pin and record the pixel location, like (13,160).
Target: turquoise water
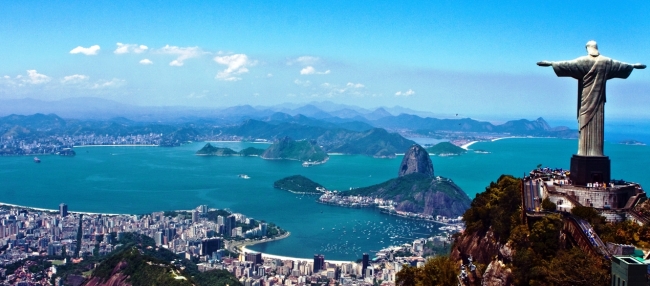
(147,179)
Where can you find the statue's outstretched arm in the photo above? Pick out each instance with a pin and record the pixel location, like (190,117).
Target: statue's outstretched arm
(544,64)
(639,66)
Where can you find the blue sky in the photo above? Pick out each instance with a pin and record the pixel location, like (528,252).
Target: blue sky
(469,57)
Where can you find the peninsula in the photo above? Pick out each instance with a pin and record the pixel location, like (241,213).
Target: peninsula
(299,184)
(415,193)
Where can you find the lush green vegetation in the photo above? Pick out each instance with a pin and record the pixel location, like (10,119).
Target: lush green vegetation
(497,208)
(140,269)
(146,264)
(445,148)
(251,151)
(439,270)
(216,277)
(376,142)
(547,205)
(304,150)
(209,150)
(407,186)
(411,188)
(540,257)
(297,183)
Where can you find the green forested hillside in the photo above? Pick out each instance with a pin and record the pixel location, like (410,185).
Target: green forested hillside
(303,150)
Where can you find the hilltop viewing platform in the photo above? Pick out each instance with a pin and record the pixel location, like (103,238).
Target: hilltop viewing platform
(615,200)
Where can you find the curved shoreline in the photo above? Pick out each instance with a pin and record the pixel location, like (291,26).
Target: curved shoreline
(244,249)
(56,210)
(467,145)
(241,246)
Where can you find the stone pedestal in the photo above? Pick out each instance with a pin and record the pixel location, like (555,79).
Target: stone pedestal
(590,169)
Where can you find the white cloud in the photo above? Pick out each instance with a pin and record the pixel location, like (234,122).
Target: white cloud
(7,77)
(183,53)
(311,70)
(146,62)
(34,77)
(108,83)
(302,83)
(130,48)
(236,63)
(269,75)
(90,51)
(308,70)
(75,78)
(355,85)
(409,92)
(304,60)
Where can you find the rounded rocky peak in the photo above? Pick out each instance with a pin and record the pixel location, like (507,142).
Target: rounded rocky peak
(416,160)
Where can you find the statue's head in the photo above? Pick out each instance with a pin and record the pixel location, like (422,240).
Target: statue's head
(592,48)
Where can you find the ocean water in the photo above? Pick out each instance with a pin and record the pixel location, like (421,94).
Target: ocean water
(139,180)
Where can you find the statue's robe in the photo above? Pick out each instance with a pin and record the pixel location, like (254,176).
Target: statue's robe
(592,74)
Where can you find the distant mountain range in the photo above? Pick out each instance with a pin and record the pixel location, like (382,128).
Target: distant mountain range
(102,109)
(321,114)
(334,127)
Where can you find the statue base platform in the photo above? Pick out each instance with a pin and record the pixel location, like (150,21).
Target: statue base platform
(590,169)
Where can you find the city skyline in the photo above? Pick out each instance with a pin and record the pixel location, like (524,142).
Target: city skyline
(475,59)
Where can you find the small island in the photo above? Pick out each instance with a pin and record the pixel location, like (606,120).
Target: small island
(632,142)
(445,149)
(303,150)
(299,184)
(209,150)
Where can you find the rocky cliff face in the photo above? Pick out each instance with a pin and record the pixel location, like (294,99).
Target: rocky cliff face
(485,249)
(497,274)
(117,278)
(416,160)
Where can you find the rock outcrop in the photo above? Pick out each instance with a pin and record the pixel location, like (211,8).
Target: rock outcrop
(497,274)
(416,160)
(482,246)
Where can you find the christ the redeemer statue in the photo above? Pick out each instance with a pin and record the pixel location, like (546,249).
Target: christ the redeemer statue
(592,72)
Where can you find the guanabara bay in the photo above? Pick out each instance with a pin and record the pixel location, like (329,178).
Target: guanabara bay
(352,143)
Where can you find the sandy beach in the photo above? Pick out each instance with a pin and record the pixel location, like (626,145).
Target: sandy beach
(266,255)
(56,210)
(242,248)
(520,137)
(465,146)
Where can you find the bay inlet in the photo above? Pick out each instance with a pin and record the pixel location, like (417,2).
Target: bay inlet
(138,180)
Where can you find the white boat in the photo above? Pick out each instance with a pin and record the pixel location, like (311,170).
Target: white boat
(244,176)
